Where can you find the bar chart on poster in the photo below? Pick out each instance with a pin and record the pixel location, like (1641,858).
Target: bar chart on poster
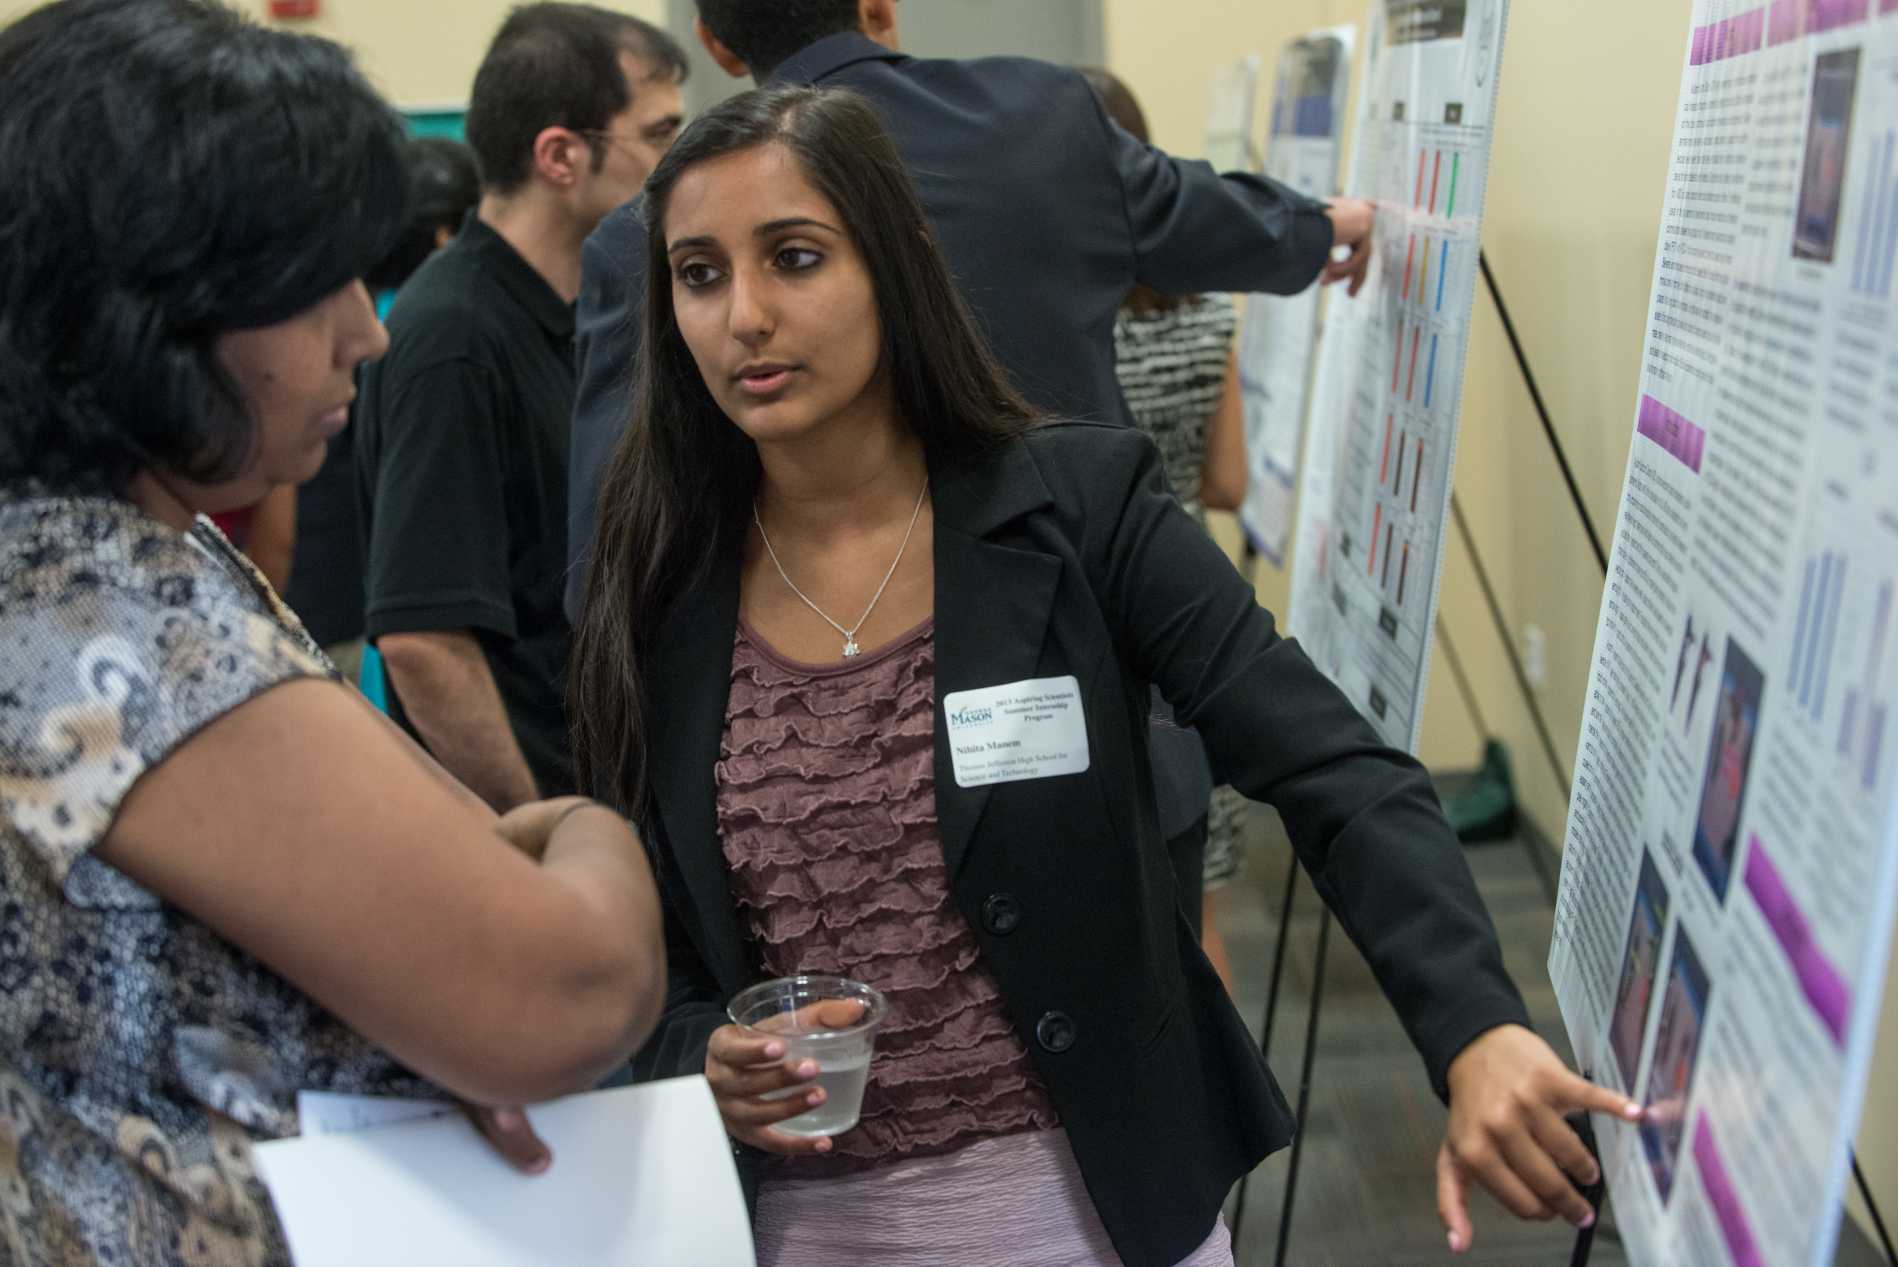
(1381,444)
(1280,332)
(1731,862)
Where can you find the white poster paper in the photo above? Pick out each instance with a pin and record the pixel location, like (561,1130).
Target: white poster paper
(641,1175)
(1731,864)
(1281,331)
(1229,117)
(1382,442)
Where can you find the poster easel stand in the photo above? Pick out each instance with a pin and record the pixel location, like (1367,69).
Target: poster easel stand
(1596,1193)
(1249,564)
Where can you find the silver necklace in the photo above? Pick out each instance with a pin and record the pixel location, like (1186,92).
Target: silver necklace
(850,634)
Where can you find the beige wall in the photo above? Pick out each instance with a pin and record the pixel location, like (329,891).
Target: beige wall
(424,52)
(418,52)
(1570,230)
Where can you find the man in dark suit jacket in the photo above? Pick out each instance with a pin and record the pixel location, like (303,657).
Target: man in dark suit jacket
(1046,211)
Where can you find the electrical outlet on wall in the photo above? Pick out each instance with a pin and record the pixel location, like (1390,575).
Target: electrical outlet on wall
(1535,656)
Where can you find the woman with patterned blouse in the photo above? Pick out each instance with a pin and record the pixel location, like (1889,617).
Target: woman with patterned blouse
(223,877)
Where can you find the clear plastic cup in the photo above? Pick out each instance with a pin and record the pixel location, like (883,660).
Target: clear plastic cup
(811,1016)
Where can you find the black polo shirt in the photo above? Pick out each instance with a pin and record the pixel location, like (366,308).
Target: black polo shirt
(461,461)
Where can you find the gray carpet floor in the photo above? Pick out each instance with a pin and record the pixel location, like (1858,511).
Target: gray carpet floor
(1366,1191)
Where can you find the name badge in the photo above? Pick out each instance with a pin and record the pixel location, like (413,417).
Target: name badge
(1033,729)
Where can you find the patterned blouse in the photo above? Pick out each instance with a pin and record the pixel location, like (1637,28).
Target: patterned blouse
(1172,369)
(827,817)
(140,1053)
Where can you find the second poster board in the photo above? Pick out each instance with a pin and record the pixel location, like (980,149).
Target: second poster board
(1279,337)
(1381,446)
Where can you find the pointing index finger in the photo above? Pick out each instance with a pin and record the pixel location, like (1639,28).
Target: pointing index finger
(1577,1092)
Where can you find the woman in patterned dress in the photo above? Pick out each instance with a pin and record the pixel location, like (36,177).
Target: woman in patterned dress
(223,877)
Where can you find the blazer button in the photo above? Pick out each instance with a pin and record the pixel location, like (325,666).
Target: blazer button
(1001,914)
(1055,1032)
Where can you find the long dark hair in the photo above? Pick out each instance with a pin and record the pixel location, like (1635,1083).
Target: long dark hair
(678,490)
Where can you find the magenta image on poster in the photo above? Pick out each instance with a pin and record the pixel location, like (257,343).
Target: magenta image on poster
(1734,37)
(1824,15)
(1824,987)
(1679,437)
(1785,26)
(1728,1212)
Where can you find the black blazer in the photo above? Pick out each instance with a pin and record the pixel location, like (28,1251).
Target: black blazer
(1066,554)
(1047,214)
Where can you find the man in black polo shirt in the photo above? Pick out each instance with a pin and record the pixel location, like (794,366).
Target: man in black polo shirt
(462,448)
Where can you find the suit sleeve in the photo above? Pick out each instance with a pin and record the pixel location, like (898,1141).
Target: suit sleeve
(606,341)
(1363,817)
(1196,231)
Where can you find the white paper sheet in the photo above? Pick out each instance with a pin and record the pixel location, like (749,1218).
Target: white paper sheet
(328,1113)
(641,1175)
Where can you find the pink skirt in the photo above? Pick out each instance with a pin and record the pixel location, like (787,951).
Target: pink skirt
(1016,1199)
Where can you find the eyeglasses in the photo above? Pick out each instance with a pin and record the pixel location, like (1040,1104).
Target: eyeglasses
(611,138)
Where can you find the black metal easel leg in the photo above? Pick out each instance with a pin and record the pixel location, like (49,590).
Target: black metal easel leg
(1271,1011)
(1304,1082)
(1596,1193)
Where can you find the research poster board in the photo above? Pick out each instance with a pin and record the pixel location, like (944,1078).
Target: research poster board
(1229,116)
(1731,864)
(1382,441)
(1280,332)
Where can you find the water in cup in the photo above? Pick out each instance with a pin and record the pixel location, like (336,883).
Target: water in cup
(843,1083)
(805,1012)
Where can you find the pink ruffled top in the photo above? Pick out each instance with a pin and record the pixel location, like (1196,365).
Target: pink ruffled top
(827,817)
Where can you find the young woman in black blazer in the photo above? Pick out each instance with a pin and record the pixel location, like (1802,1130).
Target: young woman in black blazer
(820,436)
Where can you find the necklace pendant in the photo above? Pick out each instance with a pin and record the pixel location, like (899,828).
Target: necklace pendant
(850,647)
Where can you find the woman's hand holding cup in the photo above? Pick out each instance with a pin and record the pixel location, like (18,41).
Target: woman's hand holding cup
(743,1067)
(758,1081)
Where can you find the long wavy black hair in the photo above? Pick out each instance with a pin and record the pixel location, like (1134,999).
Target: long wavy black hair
(172,172)
(678,490)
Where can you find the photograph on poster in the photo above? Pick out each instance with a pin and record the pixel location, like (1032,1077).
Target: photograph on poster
(1640,964)
(1829,132)
(1307,99)
(1671,1073)
(1736,721)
